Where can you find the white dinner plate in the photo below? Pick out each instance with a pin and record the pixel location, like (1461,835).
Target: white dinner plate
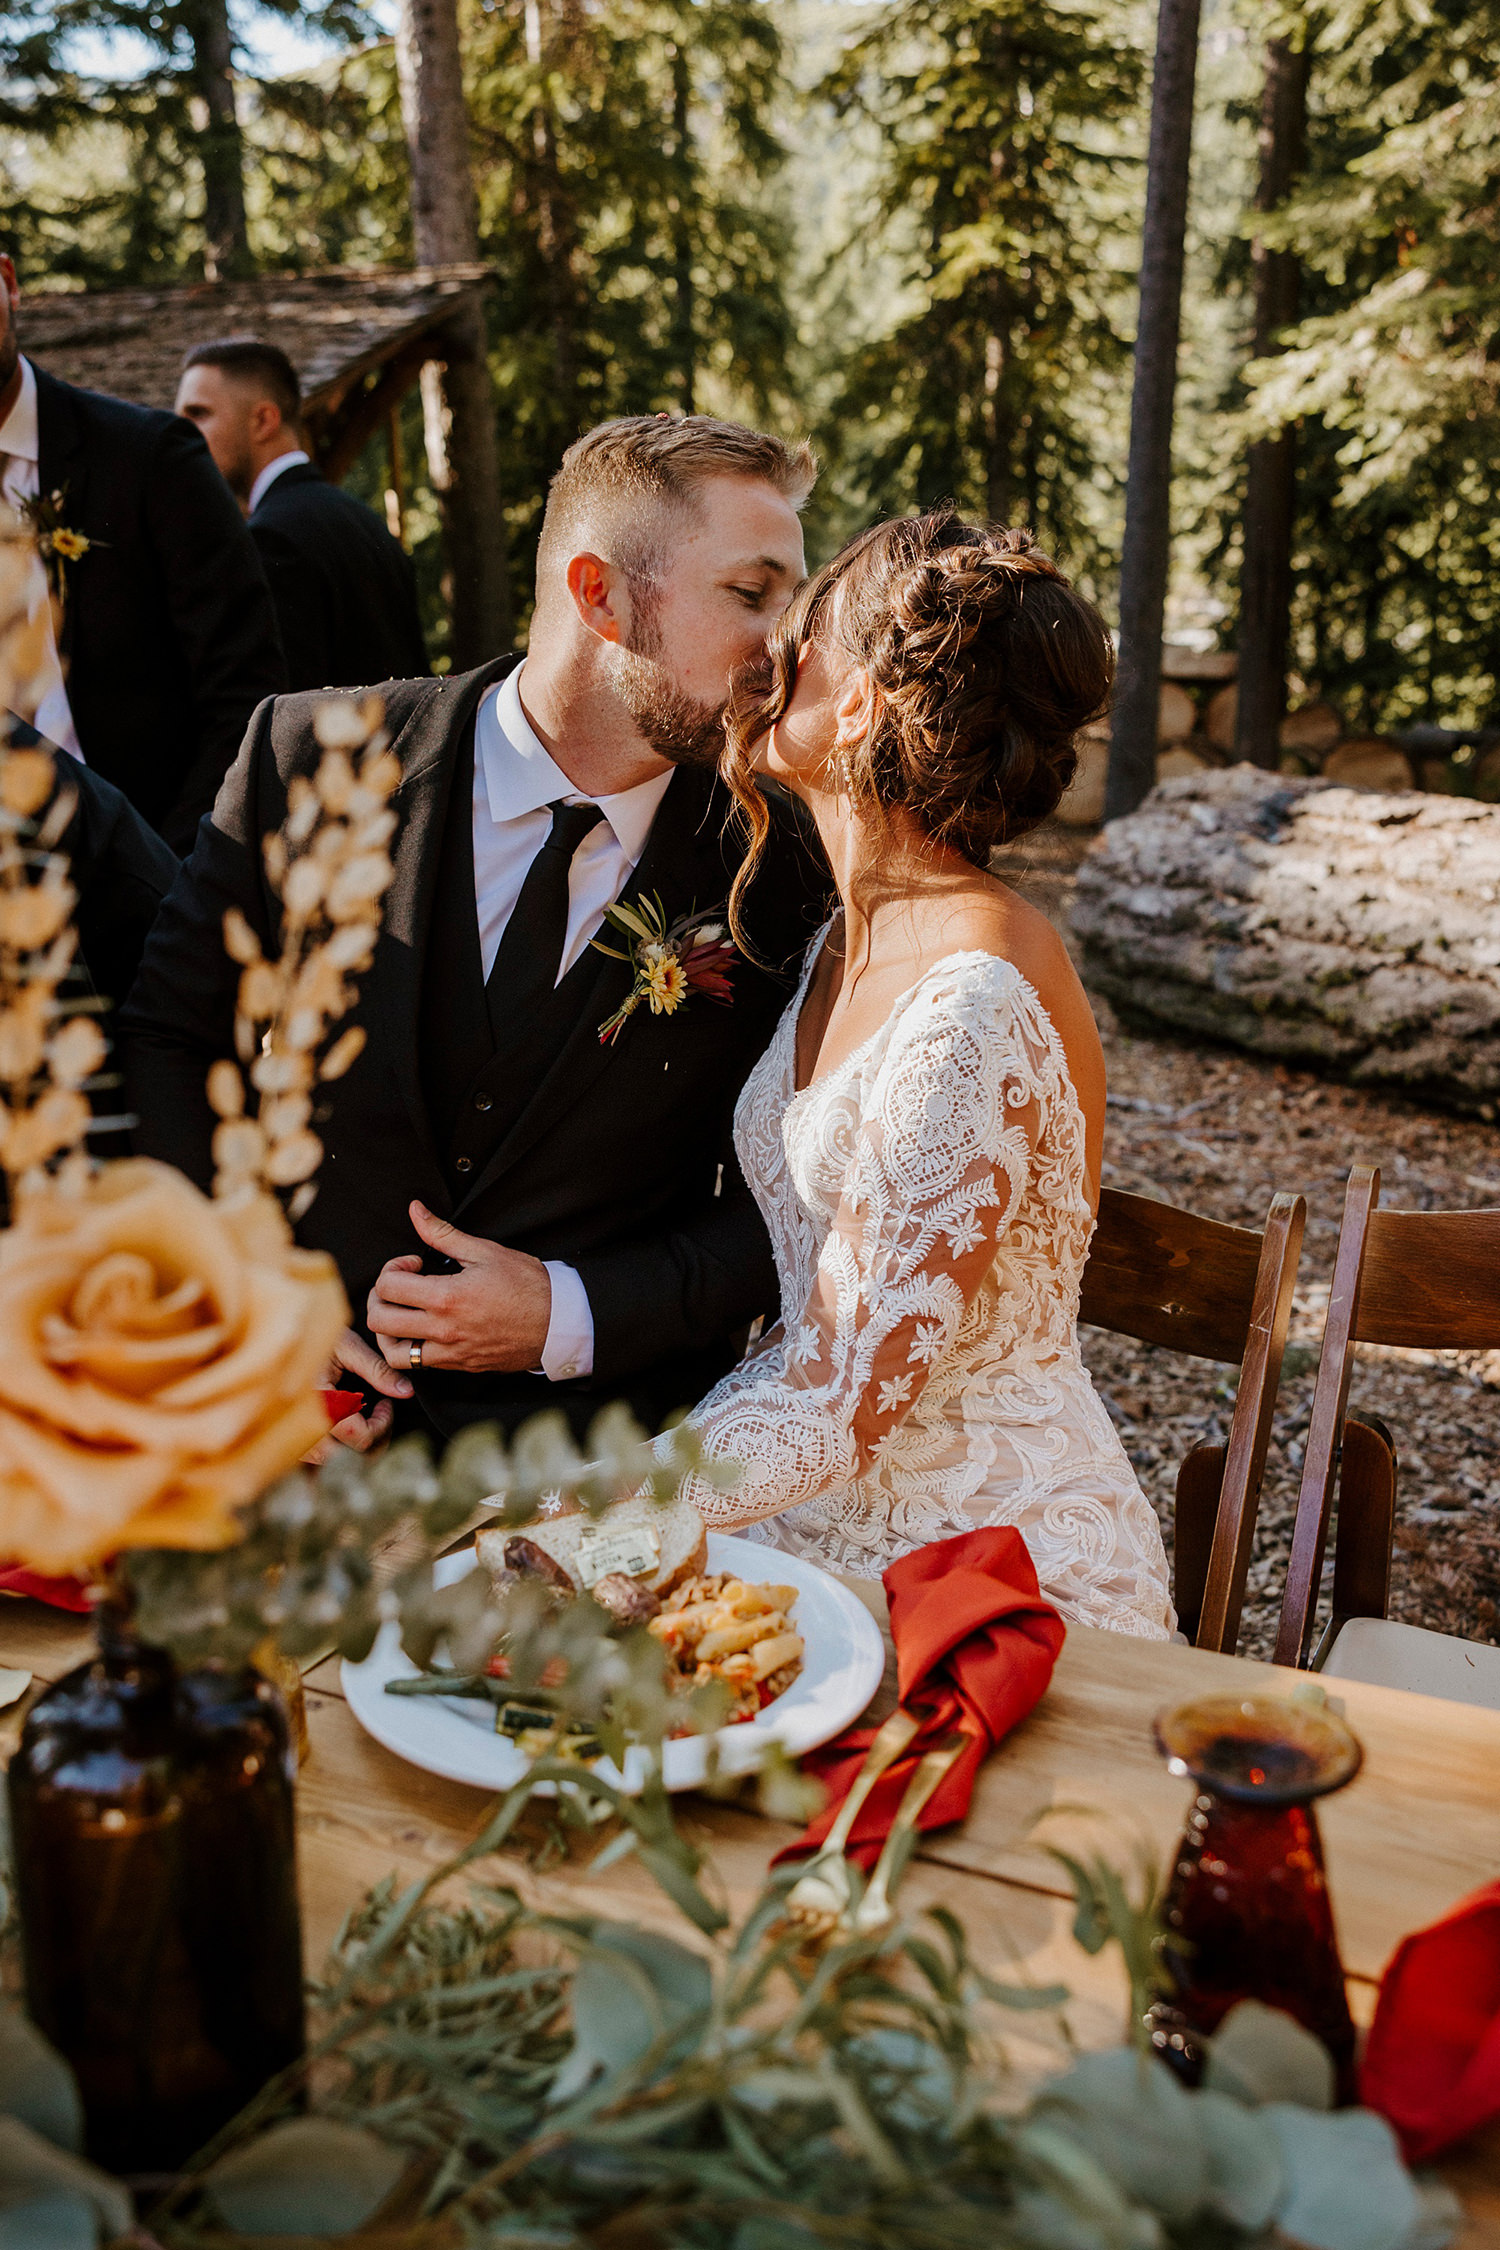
(842,1663)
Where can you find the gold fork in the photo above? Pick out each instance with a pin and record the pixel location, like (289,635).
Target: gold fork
(822,1892)
(875,1910)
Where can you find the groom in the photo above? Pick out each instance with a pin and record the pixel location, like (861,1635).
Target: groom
(525,1216)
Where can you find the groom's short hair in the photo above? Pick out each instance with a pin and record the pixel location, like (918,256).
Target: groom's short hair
(620,478)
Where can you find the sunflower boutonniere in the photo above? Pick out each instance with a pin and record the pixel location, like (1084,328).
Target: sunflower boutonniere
(671,961)
(57,544)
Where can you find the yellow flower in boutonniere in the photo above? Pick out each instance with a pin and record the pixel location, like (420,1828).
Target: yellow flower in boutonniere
(669,962)
(56,542)
(666,984)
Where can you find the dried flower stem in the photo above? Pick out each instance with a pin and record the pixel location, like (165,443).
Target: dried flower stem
(49,1050)
(330,866)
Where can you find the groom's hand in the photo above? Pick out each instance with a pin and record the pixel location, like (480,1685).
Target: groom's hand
(491,1316)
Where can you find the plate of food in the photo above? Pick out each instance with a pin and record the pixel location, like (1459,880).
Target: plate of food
(798,1654)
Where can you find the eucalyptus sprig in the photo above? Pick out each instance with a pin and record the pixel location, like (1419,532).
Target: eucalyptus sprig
(307,1573)
(487,2074)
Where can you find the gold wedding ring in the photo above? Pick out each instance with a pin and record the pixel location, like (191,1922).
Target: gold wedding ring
(414,1351)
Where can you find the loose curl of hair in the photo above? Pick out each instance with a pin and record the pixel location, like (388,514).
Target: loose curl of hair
(983,664)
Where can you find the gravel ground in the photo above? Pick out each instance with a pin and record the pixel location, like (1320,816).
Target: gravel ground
(1220,1132)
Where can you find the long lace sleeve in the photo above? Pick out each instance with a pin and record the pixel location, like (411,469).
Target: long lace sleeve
(939,1151)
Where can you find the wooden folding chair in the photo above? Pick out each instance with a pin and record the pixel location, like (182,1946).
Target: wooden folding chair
(1166,1276)
(1424,1279)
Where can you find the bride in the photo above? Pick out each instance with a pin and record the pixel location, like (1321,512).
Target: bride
(924,1132)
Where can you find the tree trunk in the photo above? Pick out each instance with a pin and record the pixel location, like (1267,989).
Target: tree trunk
(459,414)
(1351,930)
(1146,549)
(684,325)
(1270,467)
(221,152)
(556,230)
(997,432)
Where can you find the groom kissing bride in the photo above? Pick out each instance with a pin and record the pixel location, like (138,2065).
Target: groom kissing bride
(533,1189)
(527,1213)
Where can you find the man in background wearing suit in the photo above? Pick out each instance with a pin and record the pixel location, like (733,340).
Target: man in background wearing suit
(168,638)
(346,600)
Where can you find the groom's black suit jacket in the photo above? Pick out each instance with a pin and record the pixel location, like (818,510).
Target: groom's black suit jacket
(168,637)
(604,1157)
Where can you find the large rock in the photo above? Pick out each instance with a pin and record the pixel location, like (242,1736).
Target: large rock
(1331,926)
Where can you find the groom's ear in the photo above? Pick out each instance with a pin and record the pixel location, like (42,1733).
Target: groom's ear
(596,590)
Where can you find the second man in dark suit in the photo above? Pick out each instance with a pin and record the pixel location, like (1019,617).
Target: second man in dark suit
(167,640)
(346,600)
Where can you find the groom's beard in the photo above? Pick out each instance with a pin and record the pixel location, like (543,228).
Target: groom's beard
(676,726)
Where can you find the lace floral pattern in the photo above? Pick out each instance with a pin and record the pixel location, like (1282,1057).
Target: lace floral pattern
(928,1208)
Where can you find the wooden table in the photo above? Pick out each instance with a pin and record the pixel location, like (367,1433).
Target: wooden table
(1418,1829)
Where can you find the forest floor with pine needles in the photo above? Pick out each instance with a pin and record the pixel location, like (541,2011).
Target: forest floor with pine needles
(1220,1131)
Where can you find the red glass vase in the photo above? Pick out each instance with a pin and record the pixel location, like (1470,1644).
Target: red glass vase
(1247,1911)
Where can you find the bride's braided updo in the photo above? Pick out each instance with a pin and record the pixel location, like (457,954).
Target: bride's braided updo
(983,664)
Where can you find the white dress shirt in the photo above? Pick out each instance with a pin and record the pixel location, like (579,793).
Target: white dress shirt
(515,780)
(269,474)
(20,481)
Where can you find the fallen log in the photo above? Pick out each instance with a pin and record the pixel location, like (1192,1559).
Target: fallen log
(1331,926)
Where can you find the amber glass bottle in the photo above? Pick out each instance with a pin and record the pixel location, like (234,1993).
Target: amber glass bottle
(152,1819)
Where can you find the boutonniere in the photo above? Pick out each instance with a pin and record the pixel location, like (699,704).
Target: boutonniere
(56,543)
(671,961)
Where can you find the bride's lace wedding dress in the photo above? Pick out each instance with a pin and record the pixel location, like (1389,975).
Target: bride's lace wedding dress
(929,1212)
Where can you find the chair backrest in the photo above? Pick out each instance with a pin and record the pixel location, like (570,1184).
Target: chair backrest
(1167,1276)
(1427,1280)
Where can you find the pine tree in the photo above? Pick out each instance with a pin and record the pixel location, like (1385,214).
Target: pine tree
(627,166)
(998,201)
(164,193)
(1394,376)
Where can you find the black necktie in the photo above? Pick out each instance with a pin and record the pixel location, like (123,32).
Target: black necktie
(531,947)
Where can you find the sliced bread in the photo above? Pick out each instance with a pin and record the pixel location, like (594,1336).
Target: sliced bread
(658,1546)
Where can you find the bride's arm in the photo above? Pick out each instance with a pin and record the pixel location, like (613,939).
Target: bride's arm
(936,1168)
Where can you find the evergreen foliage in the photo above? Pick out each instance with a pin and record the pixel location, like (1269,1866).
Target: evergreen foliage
(1393,371)
(121,179)
(1002,197)
(627,165)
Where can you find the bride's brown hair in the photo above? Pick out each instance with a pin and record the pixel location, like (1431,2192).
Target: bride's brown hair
(983,663)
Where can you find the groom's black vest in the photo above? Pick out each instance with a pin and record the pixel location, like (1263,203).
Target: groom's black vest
(614,1160)
(478,1067)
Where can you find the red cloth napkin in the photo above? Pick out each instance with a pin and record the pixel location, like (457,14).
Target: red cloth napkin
(975,1646)
(1432,2060)
(61,1593)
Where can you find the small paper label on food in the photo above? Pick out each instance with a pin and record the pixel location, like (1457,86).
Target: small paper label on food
(634,1550)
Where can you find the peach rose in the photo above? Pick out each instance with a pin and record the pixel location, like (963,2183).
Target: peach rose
(159,1362)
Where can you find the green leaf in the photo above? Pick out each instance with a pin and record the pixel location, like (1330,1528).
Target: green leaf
(33,2171)
(36,2085)
(1246,2176)
(682,1890)
(1260,2054)
(1022,1997)
(1139,2126)
(633,1993)
(308,2176)
(53,2222)
(1346,2186)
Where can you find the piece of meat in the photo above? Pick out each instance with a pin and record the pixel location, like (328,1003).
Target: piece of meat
(626,1599)
(528,1560)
